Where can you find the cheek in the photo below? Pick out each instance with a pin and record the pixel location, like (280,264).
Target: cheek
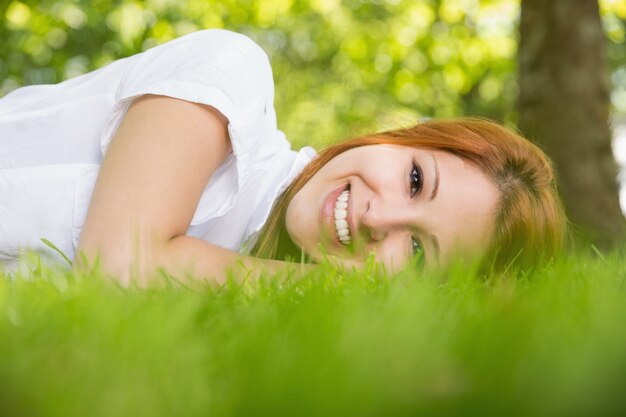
(393,258)
(302,217)
(293,220)
(391,252)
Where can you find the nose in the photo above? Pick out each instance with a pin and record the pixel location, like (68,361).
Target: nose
(382,217)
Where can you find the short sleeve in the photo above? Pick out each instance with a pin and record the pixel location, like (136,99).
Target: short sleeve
(223,69)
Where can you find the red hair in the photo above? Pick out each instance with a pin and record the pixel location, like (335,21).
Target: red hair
(529,223)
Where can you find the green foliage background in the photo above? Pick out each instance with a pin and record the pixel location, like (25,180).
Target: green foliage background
(341,67)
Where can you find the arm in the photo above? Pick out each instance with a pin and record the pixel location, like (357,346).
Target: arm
(147,191)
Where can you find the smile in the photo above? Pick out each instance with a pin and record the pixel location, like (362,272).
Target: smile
(341,215)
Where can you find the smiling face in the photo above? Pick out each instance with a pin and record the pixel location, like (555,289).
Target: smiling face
(394,201)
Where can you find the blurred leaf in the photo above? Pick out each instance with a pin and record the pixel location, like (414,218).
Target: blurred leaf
(341,67)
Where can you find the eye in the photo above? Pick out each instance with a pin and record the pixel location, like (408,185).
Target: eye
(417,247)
(418,253)
(416,179)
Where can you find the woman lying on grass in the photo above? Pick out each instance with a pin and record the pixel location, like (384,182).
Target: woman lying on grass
(171,159)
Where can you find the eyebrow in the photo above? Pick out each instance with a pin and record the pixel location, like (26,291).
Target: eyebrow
(436,248)
(433,194)
(435,190)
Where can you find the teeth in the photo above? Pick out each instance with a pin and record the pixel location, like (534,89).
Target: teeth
(343,232)
(341,224)
(341,214)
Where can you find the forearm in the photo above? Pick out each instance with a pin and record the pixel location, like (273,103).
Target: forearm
(184,259)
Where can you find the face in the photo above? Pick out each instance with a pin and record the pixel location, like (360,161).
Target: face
(396,202)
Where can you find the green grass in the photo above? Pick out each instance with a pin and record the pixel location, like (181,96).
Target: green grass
(552,343)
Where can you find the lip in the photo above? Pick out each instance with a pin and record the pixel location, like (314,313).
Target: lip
(327,215)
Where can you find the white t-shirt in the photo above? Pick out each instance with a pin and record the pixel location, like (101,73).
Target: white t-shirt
(53,139)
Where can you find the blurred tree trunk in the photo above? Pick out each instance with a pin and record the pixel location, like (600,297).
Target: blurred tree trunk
(564,106)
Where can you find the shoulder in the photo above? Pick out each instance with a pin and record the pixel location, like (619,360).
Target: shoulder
(213,56)
(220,68)
(215,47)
(225,39)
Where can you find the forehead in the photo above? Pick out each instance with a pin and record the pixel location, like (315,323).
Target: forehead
(465,208)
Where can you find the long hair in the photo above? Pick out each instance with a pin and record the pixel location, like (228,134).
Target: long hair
(529,223)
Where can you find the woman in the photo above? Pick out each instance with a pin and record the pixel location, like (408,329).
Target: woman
(171,159)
